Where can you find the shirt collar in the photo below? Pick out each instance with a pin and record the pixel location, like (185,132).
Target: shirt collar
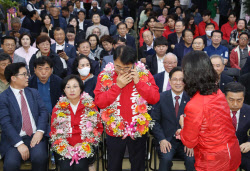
(158,59)
(16,91)
(151,46)
(125,37)
(173,94)
(60,45)
(38,81)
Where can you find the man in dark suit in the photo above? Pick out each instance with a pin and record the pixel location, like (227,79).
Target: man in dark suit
(246,68)
(182,48)
(122,31)
(17,30)
(56,20)
(121,9)
(83,23)
(176,37)
(45,82)
(106,19)
(166,114)
(240,118)
(155,62)
(24,122)
(147,47)
(66,14)
(245,81)
(25,20)
(218,64)
(162,79)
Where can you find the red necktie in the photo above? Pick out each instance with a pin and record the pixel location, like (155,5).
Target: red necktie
(177,105)
(25,114)
(234,119)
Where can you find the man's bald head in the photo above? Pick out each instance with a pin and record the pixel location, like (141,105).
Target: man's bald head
(170,61)
(148,37)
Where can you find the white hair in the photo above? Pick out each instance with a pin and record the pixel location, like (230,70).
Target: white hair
(129,18)
(217,56)
(170,54)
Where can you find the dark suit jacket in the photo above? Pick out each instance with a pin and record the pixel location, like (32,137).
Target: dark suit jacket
(142,52)
(224,79)
(151,63)
(89,86)
(244,126)
(87,23)
(130,41)
(105,21)
(166,122)
(159,80)
(11,117)
(43,13)
(21,31)
(62,22)
(94,65)
(27,23)
(245,80)
(55,87)
(246,68)
(172,40)
(69,50)
(125,12)
(179,52)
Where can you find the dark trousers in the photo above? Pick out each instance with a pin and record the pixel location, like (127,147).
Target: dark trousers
(245,162)
(38,156)
(116,148)
(177,149)
(64,165)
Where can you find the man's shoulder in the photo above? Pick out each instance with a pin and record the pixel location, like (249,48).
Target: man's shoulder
(159,75)
(226,78)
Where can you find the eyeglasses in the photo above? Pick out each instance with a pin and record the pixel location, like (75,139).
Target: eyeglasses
(242,38)
(25,74)
(10,45)
(69,88)
(127,69)
(175,80)
(4,64)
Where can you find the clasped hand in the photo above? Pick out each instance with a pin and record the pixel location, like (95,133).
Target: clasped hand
(125,78)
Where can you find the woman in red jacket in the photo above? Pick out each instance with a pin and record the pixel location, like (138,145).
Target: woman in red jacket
(75,126)
(207,123)
(189,24)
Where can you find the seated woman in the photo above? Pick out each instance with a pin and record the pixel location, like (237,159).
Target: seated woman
(130,23)
(70,35)
(76,126)
(144,16)
(95,49)
(47,26)
(235,34)
(149,25)
(43,43)
(80,34)
(82,67)
(178,12)
(26,50)
(189,24)
(169,25)
(162,18)
(107,44)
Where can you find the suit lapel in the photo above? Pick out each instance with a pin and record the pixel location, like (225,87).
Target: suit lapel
(155,64)
(66,48)
(14,103)
(162,80)
(242,119)
(171,106)
(30,101)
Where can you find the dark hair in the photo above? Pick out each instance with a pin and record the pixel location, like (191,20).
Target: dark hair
(171,16)
(232,13)
(117,15)
(234,87)
(216,31)
(32,13)
(76,63)
(70,4)
(7,37)
(77,23)
(183,24)
(82,41)
(109,4)
(244,22)
(149,31)
(194,7)
(42,61)
(44,16)
(70,29)
(106,38)
(121,23)
(175,69)
(244,33)
(71,77)
(12,70)
(82,12)
(5,56)
(42,38)
(147,10)
(199,74)
(199,37)
(96,14)
(65,9)
(148,20)
(126,54)
(23,10)
(206,12)
(22,35)
(187,20)
(58,29)
(184,32)
(117,39)
(160,41)
(210,24)
(106,11)
(93,35)
(180,9)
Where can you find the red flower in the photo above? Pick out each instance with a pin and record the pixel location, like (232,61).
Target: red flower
(95,132)
(147,123)
(142,108)
(105,116)
(121,127)
(110,111)
(57,142)
(140,128)
(90,105)
(107,83)
(144,78)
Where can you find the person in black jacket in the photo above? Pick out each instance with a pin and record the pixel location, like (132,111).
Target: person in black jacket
(43,43)
(45,82)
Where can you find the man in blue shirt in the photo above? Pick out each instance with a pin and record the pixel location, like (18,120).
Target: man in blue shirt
(216,47)
(47,84)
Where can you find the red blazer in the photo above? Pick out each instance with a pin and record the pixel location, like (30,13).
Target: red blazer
(75,122)
(226,29)
(103,99)
(235,57)
(209,130)
(202,27)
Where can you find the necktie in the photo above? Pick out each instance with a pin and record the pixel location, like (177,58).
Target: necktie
(176,105)
(234,119)
(25,114)
(168,87)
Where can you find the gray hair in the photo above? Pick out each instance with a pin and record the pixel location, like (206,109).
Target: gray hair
(129,18)
(46,3)
(15,20)
(94,1)
(120,1)
(217,56)
(170,54)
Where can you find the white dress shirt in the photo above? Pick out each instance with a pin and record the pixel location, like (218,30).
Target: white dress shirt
(160,64)
(61,47)
(33,124)
(237,117)
(179,100)
(165,83)
(81,24)
(151,46)
(74,107)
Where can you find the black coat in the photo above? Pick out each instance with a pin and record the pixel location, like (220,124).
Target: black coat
(224,79)
(151,63)
(172,40)
(245,80)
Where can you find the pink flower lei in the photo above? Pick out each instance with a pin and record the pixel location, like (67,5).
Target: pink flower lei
(115,123)
(88,125)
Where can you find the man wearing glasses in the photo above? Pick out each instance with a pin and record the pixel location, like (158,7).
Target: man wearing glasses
(24,122)
(5,60)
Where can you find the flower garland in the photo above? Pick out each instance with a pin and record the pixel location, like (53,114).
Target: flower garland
(115,123)
(88,127)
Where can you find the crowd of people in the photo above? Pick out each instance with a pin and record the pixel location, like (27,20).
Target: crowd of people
(71,71)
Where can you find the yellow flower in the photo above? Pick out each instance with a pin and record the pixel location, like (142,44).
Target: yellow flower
(86,147)
(91,113)
(141,122)
(112,119)
(145,130)
(147,116)
(105,77)
(115,130)
(61,114)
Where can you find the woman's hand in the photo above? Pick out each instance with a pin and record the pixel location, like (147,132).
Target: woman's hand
(181,121)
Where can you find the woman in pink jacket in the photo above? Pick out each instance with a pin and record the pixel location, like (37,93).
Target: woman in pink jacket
(207,125)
